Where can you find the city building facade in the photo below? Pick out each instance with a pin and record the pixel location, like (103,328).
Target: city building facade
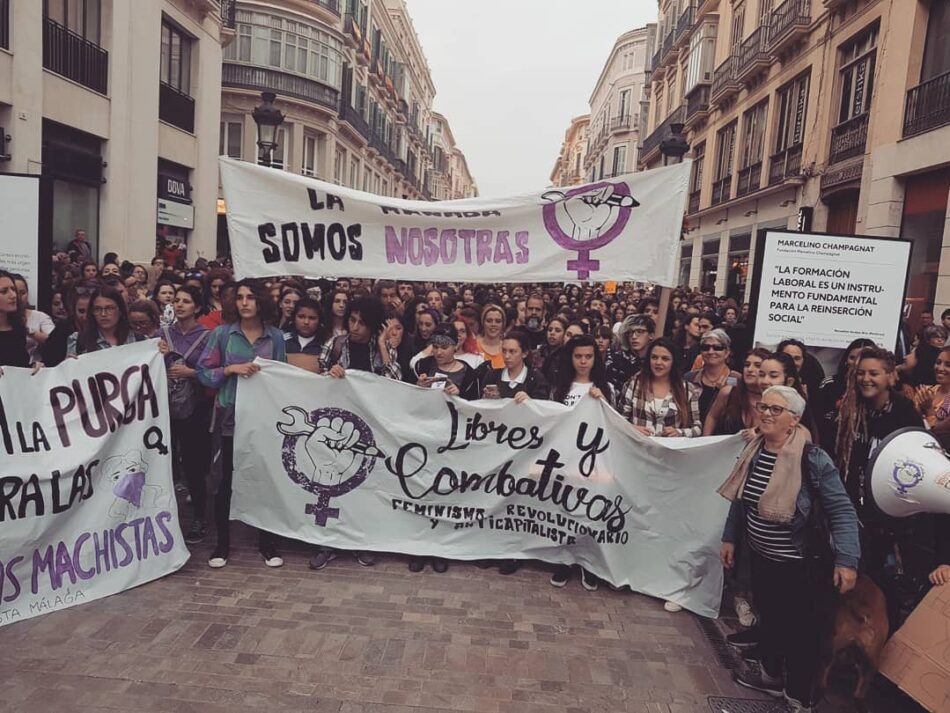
(355,89)
(615,107)
(115,104)
(569,167)
(789,111)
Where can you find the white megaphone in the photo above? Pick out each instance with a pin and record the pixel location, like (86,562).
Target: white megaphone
(910,474)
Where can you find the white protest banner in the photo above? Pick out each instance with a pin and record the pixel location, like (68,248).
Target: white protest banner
(87,506)
(368,463)
(624,228)
(827,290)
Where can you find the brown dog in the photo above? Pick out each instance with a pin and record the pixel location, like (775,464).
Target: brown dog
(853,651)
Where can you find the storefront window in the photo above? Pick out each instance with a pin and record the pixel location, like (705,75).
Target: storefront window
(75,207)
(686,259)
(738,267)
(925,212)
(710,265)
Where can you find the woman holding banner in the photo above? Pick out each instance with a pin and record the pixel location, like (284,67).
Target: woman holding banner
(109,326)
(13,332)
(580,373)
(658,401)
(182,344)
(230,354)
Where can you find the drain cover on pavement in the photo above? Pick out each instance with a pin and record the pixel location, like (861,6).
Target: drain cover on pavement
(718,704)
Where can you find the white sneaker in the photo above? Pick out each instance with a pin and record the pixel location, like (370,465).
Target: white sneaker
(745,612)
(672,607)
(273,559)
(217,562)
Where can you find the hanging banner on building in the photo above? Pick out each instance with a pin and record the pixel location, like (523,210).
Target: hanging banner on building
(87,506)
(317,459)
(623,228)
(828,290)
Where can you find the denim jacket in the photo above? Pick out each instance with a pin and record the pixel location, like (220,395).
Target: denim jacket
(839,511)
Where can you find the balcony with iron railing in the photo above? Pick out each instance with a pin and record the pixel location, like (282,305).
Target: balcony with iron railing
(624,123)
(697,105)
(724,84)
(652,142)
(927,106)
(790,21)
(722,190)
(245,76)
(74,57)
(355,119)
(849,139)
(750,179)
(753,57)
(176,108)
(785,164)
(229,14)
(685,23)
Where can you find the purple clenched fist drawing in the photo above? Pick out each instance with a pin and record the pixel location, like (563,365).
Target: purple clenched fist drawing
(593,211)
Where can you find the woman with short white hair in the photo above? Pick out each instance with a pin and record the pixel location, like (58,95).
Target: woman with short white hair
(781,488)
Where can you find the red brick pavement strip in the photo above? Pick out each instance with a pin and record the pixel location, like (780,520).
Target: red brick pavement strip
(351,639)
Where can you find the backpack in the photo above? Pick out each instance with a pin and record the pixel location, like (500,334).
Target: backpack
(182,393)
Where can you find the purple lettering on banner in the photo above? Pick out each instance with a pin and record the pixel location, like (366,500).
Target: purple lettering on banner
(448,245)
(415,245)
(483,240)
(502,249)
(77,557)
(168,540)
(8,579)
(60,410)
(521,240)
(466,236)
(64,564)
(431,248)
(395,245)
(120,540)
(148,538)
(42,563)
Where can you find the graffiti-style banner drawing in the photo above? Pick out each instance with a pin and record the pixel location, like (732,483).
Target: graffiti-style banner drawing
(622,228)
(87,506)
(318,459)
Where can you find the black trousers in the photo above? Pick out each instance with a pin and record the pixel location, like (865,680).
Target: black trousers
(222,501)
(190,436)
(794,613)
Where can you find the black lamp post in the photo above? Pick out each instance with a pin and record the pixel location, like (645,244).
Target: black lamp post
(674,147)
(268,119)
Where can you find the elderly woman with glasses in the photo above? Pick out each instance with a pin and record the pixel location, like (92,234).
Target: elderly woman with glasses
(785,494)
(715,373)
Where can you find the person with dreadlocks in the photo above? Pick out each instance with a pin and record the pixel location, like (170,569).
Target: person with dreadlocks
(870,411)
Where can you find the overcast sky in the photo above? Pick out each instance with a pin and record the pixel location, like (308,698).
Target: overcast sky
(510,74)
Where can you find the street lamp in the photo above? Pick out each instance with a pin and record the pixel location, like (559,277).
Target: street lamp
(268,119)
(674,147)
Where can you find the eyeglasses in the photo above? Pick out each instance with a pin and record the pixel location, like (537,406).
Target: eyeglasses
(771,409)
(712,347)
(639,332)
(109,309)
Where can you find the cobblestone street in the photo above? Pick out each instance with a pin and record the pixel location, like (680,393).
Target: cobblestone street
(350,639)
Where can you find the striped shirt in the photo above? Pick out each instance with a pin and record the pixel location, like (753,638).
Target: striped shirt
(771,540)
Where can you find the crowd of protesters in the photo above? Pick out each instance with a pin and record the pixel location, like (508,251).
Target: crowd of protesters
(810,435)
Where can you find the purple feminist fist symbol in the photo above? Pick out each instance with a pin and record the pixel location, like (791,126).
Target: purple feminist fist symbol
(327,452)
(598,213)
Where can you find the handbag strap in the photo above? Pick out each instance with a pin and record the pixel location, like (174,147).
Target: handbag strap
(194,345)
